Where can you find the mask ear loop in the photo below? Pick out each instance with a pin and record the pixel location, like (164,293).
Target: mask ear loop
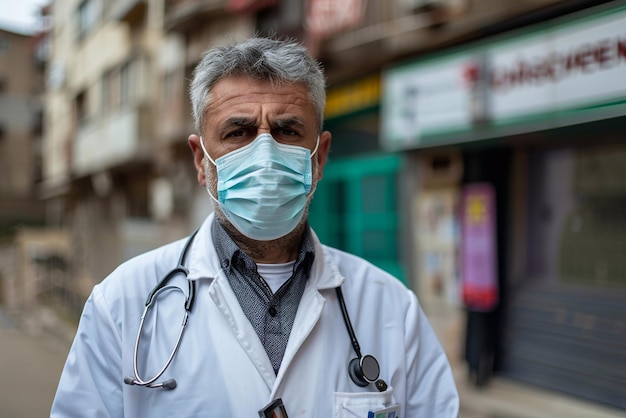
(317,144)
(206,154)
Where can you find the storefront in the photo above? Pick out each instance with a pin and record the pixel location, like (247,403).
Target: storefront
(538,117)
(356,205)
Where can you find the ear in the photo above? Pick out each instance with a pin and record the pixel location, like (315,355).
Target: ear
(198,157)
(322,153)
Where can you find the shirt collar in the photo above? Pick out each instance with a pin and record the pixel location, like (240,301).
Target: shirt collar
(228,251)
(204,263)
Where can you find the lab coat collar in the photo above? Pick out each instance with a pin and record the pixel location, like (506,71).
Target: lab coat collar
(204,263)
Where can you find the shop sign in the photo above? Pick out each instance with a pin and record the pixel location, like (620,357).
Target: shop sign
(326,17)
(552,75)
(564,69)
(352,97)
(479,279)
(424,100)
(249,6)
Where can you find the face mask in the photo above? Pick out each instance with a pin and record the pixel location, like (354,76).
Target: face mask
(263,187)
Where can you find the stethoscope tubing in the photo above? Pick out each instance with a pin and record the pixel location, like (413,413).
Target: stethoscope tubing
(189,301)
(152,297)
(138,380)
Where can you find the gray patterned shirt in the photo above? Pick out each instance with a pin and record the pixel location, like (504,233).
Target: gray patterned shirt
(271,314)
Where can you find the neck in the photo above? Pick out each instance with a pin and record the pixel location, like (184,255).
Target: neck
(281,250)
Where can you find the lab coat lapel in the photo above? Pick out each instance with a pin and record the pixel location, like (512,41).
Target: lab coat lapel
(324,275)
(246,336)
(203,263)
(308,315)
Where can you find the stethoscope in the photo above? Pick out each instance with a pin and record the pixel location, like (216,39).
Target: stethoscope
(363,369)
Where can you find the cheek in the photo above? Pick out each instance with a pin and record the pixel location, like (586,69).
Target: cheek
(315,170)
(210,175)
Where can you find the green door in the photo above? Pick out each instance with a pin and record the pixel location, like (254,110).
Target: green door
(355,209)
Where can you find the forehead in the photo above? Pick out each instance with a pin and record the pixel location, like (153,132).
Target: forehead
(243,96)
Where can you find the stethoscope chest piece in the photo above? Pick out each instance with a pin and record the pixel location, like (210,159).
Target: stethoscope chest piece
(365,370)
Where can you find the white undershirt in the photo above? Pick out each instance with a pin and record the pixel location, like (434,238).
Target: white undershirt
(275,274)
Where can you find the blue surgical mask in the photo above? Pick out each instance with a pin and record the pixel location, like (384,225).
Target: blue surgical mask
(263,187)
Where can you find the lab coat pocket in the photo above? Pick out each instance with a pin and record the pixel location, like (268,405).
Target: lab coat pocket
(357,405)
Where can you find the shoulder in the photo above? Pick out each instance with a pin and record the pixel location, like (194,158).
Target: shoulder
(364,279)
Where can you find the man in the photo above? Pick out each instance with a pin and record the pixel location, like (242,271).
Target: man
(268,332)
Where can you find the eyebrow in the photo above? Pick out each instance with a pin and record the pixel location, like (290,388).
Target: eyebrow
(286,123)
(246,122)
(240,121)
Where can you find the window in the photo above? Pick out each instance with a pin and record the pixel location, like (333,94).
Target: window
(106,92)
(577,223)
(119,87)
(126,83)
(81,107)
(5,45)
(87,17)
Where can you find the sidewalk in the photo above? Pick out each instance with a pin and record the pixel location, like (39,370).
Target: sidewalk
(503,397)
(30,367)
(506,398)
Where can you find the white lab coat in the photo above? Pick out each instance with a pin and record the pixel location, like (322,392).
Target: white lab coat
(221,367)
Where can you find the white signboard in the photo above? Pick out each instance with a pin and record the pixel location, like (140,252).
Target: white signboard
(424,101)
(552,74)
(564,69)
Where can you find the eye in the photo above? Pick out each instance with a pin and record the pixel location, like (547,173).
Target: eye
(236,134)
(287,135)
(288,132)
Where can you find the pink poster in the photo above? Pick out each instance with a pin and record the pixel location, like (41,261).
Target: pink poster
(478,247)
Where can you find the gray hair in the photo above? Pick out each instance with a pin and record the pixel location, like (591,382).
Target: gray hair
(273,60)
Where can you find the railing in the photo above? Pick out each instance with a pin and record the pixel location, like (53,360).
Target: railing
(385,19)
(179,13)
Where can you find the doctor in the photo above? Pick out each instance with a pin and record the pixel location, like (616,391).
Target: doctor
(255,316)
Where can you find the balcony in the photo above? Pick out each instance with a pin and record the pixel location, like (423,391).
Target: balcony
(111,141)
(186,15)
(390,30)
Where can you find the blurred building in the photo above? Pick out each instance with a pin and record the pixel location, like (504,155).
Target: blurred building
(477,155)
(21,88)
(21,78)
(101,129)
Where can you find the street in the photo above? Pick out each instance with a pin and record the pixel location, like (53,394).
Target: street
(29,370)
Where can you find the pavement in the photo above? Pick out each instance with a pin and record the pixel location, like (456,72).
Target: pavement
(30,367)
(33,351)
(506,398)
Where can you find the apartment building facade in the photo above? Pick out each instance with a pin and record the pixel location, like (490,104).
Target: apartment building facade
(20,129)
(21,89)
